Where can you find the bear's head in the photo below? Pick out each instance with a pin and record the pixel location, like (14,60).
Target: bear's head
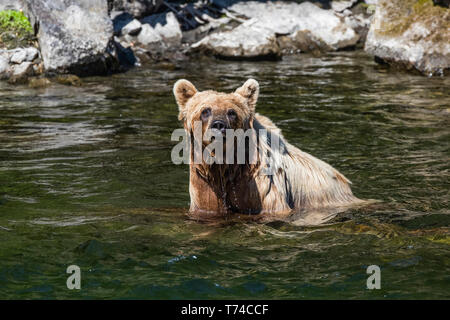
(216,110)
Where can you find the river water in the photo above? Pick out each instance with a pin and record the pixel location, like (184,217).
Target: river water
(86,179)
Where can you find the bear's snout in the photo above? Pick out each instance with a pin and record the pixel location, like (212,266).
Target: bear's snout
(219,125)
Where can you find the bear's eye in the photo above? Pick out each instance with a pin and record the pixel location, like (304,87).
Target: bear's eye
(231,114)
(206,113)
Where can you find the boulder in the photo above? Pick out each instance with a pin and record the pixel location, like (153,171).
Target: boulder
(120,19)
(4,65)
(11,5)
(32,53)
(75,36)
(137,8)
(247,41)
(23,70)
(148,35)
(358,18)
(16,65)
(411,34)
(132,28)
(342,5)
(301,26)
(288,18)
(19,56)
(166,26)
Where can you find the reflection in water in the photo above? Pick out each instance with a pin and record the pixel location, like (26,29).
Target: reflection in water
(86,178)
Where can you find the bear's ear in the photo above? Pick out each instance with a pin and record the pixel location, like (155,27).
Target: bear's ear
(250,91)
(183,90)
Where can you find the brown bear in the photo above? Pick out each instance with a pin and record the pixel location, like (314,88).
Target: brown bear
(298,180)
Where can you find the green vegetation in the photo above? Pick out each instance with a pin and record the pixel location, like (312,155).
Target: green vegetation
(15,30)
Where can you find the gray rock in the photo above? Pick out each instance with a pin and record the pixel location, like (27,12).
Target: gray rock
(4,65)
(32,53)
(137,8)
(148,35)
(411,35)
(213,25)
(288,18)
(19,56)
(11,5)
(247,41)
(166,26)
(75,36)
(306,26)
(132,28)
(120,19)
(23,70)
(342,5)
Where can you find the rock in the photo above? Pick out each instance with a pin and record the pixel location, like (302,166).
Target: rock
(304,27)
(289,18)
(412,35)
(132,28)
(19,56)
(11,5)
(166,26)
(68,80)
(137,8)
(21,73)
(148,35)
(340,6)
(120,19)
(194,35)
(32,53)
(4,65)
(358,19)
(75,36)
(247,41)
(39,82)
(22,70)
(159,39)
(302,41)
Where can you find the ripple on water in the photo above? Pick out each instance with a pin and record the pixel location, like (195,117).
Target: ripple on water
(86,179)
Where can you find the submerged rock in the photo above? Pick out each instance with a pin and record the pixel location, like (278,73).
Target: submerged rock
(68,79)
(304,27)
(39,82)
(74,36)
(411,34)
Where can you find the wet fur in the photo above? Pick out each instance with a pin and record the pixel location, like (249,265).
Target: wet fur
(300,181)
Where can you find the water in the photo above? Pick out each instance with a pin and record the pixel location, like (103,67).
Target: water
(86,179)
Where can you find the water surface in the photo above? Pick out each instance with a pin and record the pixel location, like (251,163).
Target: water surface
(86,179)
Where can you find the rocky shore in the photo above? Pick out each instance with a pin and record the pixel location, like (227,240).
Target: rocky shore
(98,37)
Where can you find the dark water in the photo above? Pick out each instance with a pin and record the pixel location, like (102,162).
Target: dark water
(86,179)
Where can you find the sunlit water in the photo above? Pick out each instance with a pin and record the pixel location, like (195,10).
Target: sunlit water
(86,178)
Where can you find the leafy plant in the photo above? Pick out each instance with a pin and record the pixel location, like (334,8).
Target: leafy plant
(15,29)
(11,20)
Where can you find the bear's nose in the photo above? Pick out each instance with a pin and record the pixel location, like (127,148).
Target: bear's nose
(219,125)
